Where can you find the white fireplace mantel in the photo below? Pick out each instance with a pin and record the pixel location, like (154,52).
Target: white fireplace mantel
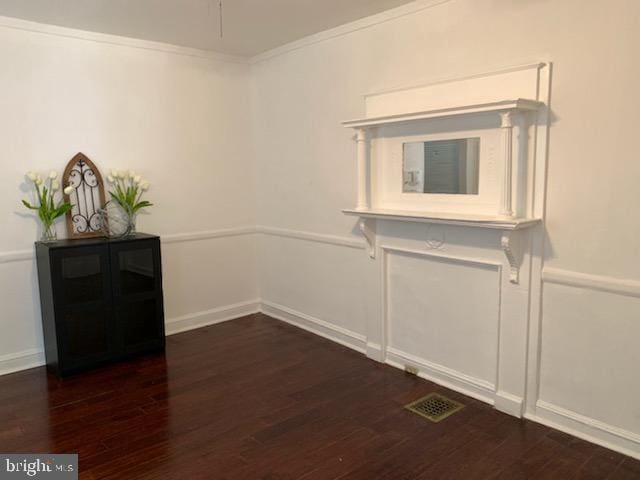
(428,250)
(510,237)
(505,220)
(463,220)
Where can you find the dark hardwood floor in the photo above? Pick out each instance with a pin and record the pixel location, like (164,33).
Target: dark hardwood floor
(257,398)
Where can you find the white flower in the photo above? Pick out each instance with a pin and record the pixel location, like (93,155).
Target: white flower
(122,174)
(132,174)
(137,179)
(110,179)
(68,190)
(53,175)
(55,185)
(144,186)
(32,176)
(38,180)
(114,173)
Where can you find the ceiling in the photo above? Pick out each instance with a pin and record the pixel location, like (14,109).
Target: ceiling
(249,26)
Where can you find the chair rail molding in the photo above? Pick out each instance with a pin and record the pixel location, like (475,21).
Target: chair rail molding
(570,278)
(28,255)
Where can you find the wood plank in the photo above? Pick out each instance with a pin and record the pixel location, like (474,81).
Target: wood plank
(258,398)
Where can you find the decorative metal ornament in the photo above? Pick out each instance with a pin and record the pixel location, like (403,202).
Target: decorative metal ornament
(84,219)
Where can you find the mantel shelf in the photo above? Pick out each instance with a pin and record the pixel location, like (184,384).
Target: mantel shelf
(518,104)
(510,240)
(464,220)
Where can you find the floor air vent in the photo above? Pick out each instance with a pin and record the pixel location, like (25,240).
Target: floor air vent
(434,407)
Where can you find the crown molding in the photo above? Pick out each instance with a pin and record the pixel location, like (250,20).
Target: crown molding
(122,41)
(117,40)
(347,28)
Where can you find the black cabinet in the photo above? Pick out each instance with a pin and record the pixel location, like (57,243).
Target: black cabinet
(101,300)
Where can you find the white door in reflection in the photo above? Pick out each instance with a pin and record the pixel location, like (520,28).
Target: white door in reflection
(441,166)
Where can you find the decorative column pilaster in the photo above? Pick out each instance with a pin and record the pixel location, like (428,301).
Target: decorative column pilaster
(506,207)
(363,199)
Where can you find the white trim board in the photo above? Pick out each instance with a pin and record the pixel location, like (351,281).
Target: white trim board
(117,40)
(16,256)
(315,325)
(130,42)
(555,417)
(465,384)
(347,28)
(618,286)
(586,428)
(212,316)
(24,255)
(207,235)
(15,362)
(560,419)
(312,237)
(447,377)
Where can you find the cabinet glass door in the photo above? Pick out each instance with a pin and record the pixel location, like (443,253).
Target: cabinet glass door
(136,271)
(83,305)
(137,293)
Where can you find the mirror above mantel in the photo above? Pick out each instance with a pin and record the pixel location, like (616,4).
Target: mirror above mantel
(459,153)
(448,167)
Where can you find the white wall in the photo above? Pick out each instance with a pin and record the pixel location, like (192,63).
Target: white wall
(176,115)
(181,117)
(307,175)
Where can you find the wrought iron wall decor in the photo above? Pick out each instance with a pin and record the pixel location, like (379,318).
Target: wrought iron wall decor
(84,219)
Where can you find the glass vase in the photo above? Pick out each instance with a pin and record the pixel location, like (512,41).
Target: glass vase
(49,233)
(131,227)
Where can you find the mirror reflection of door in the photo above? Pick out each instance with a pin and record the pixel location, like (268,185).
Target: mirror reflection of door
(442,172)
(442,166)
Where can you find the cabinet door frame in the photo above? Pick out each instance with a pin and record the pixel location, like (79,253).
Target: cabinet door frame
(122,301)
(66,361)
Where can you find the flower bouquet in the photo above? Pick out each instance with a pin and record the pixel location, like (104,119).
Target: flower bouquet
(127,189)
(47,207)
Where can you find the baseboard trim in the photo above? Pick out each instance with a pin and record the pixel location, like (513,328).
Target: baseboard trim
(465,384)
(16,362)
(211,317)
(314,325)
(374,352)
(508,403)
(586,428)
(581,426)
